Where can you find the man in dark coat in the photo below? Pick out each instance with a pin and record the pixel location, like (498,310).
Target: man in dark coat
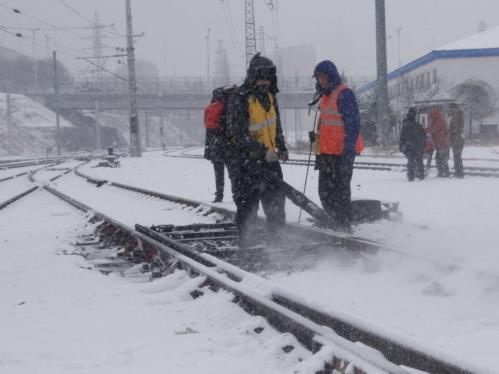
(256,143)
(412,145)
(456,127)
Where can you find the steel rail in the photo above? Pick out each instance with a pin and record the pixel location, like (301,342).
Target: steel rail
(395,349)
(480,171)
(17,197)
(312,335)
(13,176)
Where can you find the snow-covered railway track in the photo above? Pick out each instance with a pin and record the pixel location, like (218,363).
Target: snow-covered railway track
(338,347)
(29,163)
(22,184)
(394,349)
(307,244)
(477,171)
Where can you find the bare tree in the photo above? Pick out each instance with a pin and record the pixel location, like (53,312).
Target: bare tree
(478,100)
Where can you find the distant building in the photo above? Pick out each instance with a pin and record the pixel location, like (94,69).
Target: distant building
(465,71)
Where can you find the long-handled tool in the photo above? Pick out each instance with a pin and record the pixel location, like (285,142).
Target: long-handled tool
(308,163)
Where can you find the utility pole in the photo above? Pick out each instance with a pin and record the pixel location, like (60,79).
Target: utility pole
(148,129)
(250,30)
(162,128)
(98,49)
(261,40)
(382,113)
(207,37)
(222,67)
(56,100)
(9,123)
(398,41)
(132,86)
(98,135)
(35,61)
(47,46)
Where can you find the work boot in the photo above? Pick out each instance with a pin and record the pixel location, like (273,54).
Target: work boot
(218,198)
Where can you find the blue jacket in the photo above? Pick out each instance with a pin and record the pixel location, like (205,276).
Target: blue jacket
(347,104)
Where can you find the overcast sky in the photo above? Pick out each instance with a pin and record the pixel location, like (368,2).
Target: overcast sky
(175,30)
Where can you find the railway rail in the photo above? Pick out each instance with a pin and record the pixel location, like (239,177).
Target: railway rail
(479,171)
(194,241)
(343,345)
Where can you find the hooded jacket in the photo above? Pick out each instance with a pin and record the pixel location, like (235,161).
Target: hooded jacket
(239,116)
(438,129)
(347,104)
(412,136)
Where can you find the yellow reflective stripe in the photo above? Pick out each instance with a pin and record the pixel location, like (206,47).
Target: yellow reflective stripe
(263,124)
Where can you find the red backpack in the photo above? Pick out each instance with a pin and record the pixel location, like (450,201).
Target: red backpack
(214,113)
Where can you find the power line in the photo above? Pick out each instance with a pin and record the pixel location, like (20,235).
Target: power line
(51,25)
(231,30)
(36,41)
(73,10)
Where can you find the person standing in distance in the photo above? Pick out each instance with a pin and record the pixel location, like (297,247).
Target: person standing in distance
(412,144)
(456,127)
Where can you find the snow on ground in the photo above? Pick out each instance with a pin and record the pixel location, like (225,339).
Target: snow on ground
(130,207)
(27,112)
(12,187)
(445,294)
(4,173)
(59,316)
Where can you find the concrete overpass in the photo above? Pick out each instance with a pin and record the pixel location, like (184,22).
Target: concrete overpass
(167,93)
(150,101)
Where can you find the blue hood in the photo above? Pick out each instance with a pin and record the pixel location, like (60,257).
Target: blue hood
(329,68)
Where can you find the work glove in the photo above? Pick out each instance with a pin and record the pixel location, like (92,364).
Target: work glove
(348,154)
(283,155)
(312,136)
(271,156)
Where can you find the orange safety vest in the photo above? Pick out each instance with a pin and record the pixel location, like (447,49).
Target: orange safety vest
(332,126)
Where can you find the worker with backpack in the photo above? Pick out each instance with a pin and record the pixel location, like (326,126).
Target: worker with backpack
(215,123)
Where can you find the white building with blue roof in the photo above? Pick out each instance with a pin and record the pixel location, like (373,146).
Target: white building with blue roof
(465,71)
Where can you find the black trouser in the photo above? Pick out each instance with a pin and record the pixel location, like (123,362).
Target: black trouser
(442,159)
(335,175)
(457,151)
(250,185)
(415,166)
(219,167)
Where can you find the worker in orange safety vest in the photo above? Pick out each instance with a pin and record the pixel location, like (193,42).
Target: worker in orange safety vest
(337,142)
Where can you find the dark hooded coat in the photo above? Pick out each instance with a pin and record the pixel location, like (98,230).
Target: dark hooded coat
(238,114)
(412,136)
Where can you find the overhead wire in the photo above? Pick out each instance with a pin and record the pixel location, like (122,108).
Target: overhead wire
(39,43)
(53,27)
(231,29)
(104,29)
(36,19)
